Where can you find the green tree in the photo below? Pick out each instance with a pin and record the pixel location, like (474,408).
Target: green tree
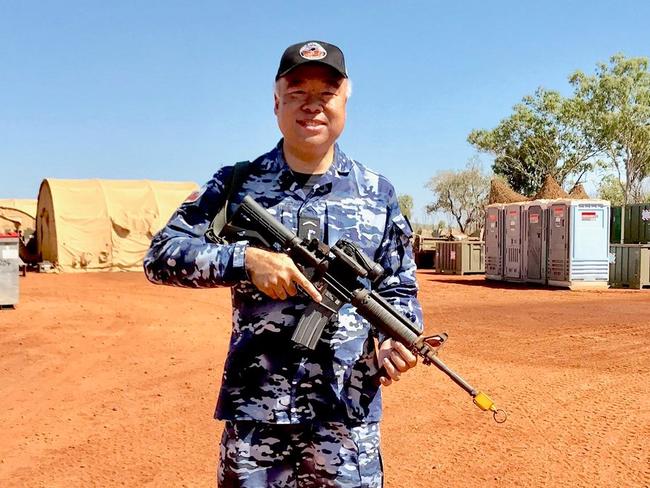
(440,227)
(614,107)
(405,204)
(462,194)
(542,137)
(612,189)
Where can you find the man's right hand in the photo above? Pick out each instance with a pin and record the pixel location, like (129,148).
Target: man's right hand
(276,275)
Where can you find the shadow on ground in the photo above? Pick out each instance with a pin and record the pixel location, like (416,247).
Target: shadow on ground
(479,280)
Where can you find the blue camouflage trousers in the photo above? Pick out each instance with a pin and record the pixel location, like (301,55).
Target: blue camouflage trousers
(258,455)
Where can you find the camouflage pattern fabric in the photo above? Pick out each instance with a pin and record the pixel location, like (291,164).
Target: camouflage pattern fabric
(255,455)
(266,377)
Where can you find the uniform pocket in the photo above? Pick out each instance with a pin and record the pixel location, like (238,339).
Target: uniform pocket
(366,437)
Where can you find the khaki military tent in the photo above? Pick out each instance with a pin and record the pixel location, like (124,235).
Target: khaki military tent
(103,225)
(8,225)
(17,214)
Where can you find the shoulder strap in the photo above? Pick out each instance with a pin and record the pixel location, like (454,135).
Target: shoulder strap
(239,173)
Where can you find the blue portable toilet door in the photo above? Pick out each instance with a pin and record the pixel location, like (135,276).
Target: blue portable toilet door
(590,243)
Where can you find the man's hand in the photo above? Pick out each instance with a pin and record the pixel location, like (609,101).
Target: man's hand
(276,275)
(395,359)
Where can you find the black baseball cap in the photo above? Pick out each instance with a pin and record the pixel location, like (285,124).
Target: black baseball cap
(312,52)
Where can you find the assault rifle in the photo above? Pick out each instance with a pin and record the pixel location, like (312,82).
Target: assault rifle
(337,272)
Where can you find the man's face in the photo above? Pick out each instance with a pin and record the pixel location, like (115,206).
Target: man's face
(310,107)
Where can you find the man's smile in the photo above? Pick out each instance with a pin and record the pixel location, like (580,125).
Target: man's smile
(310,123)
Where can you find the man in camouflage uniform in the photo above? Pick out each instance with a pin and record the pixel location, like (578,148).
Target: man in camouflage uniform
(295,417)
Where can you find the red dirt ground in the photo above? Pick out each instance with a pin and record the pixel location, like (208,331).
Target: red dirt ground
(108,381)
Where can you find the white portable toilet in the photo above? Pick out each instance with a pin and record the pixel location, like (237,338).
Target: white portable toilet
(535,240)
(493,237)
(578,243)
(513,232)
(9,264)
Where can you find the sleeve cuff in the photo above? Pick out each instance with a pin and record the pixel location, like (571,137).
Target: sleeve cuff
(237,269)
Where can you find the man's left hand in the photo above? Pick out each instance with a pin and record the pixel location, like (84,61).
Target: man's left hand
(395,359)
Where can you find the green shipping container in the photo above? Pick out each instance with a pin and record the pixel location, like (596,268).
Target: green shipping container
(615,225)
(629,266)
(636,224)
(460,257)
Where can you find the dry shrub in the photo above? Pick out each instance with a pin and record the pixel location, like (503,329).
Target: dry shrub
(578,192)
(500,192)
(550,190)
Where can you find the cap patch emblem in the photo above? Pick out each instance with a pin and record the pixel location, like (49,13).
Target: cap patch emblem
(313,51)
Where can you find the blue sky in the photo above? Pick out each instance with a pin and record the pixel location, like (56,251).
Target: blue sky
(173,90)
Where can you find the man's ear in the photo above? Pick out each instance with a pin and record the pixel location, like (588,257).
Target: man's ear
(276,104)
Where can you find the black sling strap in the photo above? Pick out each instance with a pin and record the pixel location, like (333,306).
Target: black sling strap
(239,173)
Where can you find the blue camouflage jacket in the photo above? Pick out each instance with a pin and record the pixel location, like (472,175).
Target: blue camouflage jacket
(266,378)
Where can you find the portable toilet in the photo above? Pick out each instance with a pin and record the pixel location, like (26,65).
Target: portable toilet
(493,236)
(513,262)
(578,243)
(535,241)
(9,264)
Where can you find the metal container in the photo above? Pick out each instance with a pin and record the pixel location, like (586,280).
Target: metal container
(9,262)
(424,250)
(494,241)
(629,266)
(636,224)
(615,226)
(460,257)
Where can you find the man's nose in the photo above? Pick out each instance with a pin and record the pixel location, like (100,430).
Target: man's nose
(313,104)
